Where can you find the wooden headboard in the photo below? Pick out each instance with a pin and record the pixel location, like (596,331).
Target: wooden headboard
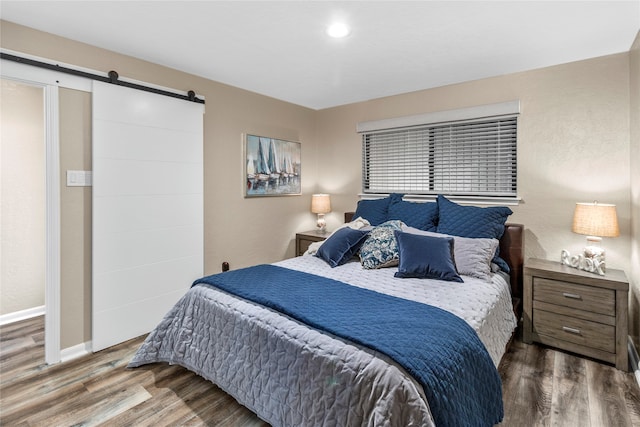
(511,250)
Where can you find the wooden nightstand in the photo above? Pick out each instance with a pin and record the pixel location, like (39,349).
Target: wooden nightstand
(305,238)
(577,311)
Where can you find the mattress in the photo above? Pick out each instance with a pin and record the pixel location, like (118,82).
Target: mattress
(290,374)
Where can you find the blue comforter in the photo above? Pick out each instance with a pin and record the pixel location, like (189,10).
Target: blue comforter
(440,350)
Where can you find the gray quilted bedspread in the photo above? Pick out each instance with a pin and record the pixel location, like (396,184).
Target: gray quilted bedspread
(292,375)
(288,374)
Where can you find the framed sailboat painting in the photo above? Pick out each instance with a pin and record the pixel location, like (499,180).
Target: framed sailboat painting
(271,166)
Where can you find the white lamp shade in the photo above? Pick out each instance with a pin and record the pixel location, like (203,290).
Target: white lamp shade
(596,219)
(320,204)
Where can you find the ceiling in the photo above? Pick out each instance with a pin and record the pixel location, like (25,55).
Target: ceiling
(280,49)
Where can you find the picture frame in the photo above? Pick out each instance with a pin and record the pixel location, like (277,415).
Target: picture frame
(271,167)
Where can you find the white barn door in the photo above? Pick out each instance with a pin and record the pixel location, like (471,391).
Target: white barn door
(147,208)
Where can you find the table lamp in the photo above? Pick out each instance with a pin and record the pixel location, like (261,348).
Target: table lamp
(321,204)
(596,220)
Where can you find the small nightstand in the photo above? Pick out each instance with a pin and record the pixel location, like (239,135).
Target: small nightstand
(577,311)
(305,238)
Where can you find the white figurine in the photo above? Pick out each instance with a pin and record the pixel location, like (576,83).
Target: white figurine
(592,264)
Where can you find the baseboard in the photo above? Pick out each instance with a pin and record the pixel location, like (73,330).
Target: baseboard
(66,354)
(17,316)
(634,360)
(70,353)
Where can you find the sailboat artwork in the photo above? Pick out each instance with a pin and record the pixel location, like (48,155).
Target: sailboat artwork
(272,167)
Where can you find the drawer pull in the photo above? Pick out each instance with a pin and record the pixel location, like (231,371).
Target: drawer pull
(572,296)
(571,330)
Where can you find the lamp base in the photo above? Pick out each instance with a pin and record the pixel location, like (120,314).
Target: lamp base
(321,224)
(593,248)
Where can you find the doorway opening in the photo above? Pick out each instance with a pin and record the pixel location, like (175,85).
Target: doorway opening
(23,196)
(22,201)
(20,75)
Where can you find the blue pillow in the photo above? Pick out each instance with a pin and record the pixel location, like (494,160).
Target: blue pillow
(341,246)
(471,221)
(423,216)
(474,222)
(426,257)
(375,211)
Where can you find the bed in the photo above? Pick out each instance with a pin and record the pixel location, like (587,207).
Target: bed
(291,374)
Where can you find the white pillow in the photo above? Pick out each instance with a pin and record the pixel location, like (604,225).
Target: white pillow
(472,256)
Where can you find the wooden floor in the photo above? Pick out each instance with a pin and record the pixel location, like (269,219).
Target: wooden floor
(545,387)
(542,387)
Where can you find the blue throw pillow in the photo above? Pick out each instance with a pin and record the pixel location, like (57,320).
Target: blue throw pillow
(472,221)
(375,211)
(426,257)
(423,216)
(341,246)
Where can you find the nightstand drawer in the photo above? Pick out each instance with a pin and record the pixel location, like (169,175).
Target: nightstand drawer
(581,297)
(592,334)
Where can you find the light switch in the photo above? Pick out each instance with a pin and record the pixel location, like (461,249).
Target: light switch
(79,178)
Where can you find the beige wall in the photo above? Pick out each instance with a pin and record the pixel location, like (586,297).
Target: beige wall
(75,219)
(238,230)
(574,145)
(634,81)
(22,186)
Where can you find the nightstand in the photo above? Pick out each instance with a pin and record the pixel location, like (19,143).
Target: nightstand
(577,311)
(305,238)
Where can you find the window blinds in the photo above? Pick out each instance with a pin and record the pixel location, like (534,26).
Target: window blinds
(465,158)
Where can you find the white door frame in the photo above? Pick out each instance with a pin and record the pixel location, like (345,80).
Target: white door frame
(52,265)
(52,216)
(49,81)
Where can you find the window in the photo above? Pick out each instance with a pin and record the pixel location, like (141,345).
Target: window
(471,156)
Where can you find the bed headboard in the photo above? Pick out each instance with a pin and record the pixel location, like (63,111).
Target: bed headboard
(511,250)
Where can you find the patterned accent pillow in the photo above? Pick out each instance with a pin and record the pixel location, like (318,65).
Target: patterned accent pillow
(381,248)
(421,215)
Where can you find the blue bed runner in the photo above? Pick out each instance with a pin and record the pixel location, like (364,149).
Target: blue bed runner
(440,350)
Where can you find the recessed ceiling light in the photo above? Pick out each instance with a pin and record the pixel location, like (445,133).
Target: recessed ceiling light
(338,30)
